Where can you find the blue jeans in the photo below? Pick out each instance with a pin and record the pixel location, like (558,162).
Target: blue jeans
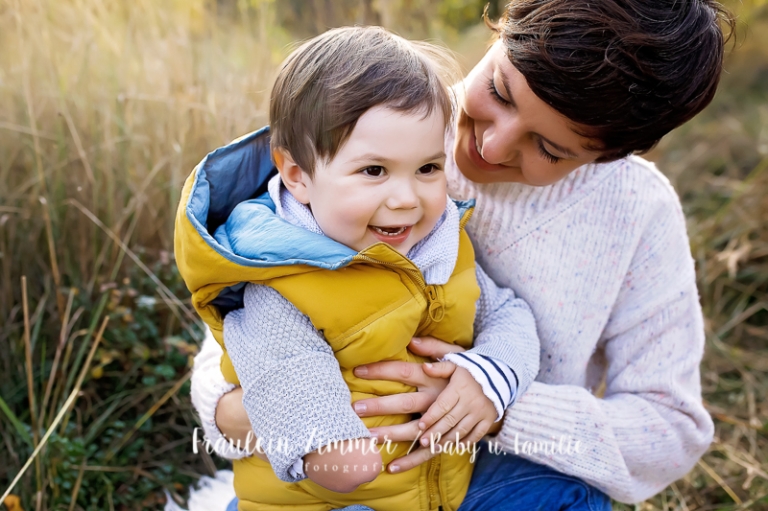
(507,482)
(233,507)
(510,483)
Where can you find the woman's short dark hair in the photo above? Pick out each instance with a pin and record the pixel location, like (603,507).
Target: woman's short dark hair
(627,72)
(330,81)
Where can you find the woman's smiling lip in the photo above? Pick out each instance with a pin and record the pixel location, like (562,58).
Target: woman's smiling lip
(395,239)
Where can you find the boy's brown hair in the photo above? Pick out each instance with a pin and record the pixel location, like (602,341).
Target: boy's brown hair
(626,71)
(330,81)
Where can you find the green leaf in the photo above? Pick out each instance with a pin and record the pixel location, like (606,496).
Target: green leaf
(17,424)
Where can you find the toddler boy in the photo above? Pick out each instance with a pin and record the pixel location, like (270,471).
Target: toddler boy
(355,241)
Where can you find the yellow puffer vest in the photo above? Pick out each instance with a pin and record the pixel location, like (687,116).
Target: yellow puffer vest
(368,311)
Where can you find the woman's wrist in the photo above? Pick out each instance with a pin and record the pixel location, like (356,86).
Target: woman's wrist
(495,428)
(232,422)
(208,387)
(231,418)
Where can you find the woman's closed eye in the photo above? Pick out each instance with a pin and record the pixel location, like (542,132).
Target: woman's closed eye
(496,95)
(551,158)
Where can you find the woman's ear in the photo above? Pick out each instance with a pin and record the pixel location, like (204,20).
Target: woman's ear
(294,178)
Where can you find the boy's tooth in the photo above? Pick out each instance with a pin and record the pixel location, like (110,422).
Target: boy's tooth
(386,233)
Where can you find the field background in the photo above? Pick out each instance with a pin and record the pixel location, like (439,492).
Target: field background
(105,107)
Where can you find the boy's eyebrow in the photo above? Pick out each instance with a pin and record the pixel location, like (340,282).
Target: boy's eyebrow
(369,157)
(505,82)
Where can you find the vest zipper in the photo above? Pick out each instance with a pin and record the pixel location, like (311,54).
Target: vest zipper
(435,306)
(436,312)
(414,274)
(433,473)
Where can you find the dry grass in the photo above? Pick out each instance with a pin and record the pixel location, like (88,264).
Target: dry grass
(104,108)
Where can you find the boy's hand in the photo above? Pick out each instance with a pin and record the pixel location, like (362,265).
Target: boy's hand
(461,408)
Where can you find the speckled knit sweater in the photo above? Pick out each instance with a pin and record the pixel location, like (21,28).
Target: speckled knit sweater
(603,260)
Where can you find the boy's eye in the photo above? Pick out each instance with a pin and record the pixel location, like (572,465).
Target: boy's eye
(374,171)
(429,168)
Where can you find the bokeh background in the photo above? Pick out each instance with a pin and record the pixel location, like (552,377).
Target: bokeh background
(105,107)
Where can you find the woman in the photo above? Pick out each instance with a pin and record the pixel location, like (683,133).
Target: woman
(593,239)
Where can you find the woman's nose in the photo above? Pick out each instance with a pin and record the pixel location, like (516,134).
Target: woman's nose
(500,141)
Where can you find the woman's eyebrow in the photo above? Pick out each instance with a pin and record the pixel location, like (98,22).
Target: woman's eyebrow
(510,98)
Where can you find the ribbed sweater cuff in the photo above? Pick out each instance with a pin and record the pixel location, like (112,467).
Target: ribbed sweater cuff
(542,414)
(557,425)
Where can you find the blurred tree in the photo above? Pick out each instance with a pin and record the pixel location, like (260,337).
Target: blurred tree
(461,14)
(411,18)
(311,17)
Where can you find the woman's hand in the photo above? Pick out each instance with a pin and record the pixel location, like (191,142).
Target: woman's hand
(233,421)
(429,379)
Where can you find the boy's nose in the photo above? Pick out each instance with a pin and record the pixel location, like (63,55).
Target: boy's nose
(403,196)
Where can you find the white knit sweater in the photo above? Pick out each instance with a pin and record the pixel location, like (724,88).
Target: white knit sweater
(602,258)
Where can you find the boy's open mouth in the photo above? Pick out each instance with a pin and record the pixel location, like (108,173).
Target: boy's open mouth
(390,231)
(392,235)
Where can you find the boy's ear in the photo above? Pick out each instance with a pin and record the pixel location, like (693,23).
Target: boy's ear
(293,177)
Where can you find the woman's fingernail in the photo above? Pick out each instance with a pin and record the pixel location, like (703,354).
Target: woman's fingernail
(416,340)
(361,371)
(393,469)
(360,407)
(422,426)
(428,365)
(424,441)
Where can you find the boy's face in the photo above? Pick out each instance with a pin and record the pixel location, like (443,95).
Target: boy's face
(385,184)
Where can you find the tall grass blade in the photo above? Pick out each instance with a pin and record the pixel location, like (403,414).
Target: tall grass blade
(30,381)
(57,356)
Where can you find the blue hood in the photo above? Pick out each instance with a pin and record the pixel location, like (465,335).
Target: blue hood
(228,176)
(231,209)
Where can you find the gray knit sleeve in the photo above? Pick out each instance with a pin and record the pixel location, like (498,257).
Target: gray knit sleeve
(505,330)
(293,391)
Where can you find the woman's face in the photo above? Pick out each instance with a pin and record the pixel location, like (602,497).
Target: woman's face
(506,133)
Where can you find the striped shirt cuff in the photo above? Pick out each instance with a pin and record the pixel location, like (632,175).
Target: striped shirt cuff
(498,381)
